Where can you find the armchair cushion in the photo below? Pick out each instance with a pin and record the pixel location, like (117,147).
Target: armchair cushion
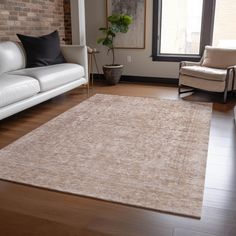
(204,72)
(220,58)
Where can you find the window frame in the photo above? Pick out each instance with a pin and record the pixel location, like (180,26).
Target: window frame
(207,26)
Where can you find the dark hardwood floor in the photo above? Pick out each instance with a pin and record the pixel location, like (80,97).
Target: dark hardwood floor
(32,211)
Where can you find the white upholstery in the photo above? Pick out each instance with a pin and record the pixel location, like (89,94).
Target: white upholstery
(76,54)
(38,98)
(11,57)
(215,71)
(190,63)
(208,85)
(22,88)
(204,72)
(51,77)
(16,88)
(220,58)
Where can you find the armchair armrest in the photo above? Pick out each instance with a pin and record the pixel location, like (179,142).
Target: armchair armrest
(189,63)
(76,54)
(232,67)
(230,74)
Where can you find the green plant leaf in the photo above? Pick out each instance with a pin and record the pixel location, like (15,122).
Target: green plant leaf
(111,33)
(115,28)
(127,19)
(124,29)
(100,40)
(113,18)
(102,29)
(117,23)
(108,42)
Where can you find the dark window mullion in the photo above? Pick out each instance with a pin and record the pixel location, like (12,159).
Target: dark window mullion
(159,11)
(207,24)
(206,32)
(155,28)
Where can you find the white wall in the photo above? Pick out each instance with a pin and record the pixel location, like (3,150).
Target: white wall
(78,22)
(224,33)
(142,64)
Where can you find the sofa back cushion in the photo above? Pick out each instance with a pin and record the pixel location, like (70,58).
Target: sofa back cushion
(12,57)
(220,58)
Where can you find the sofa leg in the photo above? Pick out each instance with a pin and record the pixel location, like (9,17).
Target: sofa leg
(87,86)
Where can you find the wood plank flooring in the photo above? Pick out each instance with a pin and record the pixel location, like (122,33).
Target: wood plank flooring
(28,211)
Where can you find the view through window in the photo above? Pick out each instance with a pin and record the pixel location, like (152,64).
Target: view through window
(180,30)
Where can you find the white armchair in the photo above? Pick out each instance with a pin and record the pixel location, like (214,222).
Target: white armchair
(215,72)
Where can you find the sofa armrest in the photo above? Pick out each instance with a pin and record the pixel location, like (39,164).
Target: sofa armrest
(76,54)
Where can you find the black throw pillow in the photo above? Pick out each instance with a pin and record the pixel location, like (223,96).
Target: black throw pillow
(42,51)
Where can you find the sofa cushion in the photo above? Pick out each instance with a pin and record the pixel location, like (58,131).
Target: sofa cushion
(204,72)
(12,57)
(220,58)
(42,51)
(54,76)
(16,88)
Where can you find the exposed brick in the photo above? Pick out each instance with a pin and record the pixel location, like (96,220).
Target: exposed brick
(34,17)
(67,22)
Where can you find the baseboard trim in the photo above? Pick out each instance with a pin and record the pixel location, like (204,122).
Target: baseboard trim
(142,79)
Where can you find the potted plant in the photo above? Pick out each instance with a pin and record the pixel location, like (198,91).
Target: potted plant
(117,23)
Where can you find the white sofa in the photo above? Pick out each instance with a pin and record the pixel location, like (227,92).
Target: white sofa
(21,88)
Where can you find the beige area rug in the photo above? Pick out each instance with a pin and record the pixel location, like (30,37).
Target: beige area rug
(137,151)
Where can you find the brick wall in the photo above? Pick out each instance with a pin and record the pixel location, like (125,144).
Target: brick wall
(34,17)
(67,20)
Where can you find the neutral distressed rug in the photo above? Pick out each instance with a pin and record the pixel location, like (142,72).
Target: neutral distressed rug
(137,151)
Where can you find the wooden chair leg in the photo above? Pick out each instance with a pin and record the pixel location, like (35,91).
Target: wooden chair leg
(87,89)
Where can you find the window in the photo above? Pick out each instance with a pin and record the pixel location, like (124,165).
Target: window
(181,28)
